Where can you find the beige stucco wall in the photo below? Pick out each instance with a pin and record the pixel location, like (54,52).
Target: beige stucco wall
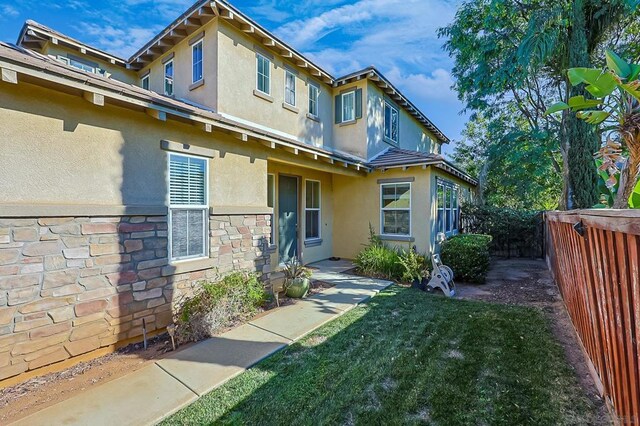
(205,94)
(237,76)
(357,204)
(351,137)
(412,134)
(117,72)
(309,254)
(59,149)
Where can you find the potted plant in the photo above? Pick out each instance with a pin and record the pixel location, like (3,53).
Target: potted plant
(296,279)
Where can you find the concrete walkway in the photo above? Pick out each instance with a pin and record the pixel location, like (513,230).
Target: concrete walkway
(165,386)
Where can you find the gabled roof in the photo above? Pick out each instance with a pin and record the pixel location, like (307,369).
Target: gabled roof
(201,13)
(34,34)
(381,81)
(392,158)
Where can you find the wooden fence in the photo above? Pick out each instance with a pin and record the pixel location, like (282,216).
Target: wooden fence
(594,256)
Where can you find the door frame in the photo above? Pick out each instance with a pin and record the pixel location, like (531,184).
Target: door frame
(298,210)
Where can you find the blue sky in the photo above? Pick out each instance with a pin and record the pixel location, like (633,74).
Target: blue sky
(397,36)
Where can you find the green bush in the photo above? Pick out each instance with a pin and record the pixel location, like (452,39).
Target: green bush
(468,256)
(380,261)
(218,305)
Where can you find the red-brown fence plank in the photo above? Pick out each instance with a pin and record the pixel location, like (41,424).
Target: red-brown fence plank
(598,276)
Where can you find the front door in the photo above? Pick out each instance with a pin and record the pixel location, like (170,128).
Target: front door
(287,218)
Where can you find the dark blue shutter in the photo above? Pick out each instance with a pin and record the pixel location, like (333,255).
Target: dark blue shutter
(338,109)
(358,103)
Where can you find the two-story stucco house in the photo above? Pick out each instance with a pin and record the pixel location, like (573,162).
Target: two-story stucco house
(215,147)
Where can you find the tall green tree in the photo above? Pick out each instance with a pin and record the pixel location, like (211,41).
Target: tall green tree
(515,53)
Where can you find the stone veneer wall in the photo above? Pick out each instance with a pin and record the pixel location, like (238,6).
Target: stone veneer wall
(71,285)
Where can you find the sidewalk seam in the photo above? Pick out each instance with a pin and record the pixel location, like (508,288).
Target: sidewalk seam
(178,380)
(269,331)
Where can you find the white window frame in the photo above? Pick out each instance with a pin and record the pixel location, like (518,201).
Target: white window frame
(318,209)
(267,75)
(390,138)
(273,197)
(288,73)
(383,209)
(84,66)
(351,93)
(142,82)
(173,73)
(314,100)
(444,210)
(204,207)
(199,63)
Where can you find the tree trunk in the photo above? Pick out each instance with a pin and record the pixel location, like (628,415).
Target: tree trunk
(582,139)
(628,180)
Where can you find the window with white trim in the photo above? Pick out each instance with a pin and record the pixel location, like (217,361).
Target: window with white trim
(196,62)
(271,197)
(84,66)
(391,122)
(188,206)
(348,106)
(448,214)
(263,83)
(395,203)
(314,95)
(144,82)
(289,88)
(312,210)
(168,78)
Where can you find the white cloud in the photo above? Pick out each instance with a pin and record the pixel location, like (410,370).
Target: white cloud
(120,42)
(434,86)
(8,11)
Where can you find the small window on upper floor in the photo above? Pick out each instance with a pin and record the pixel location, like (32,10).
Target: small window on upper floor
(168,78)
(348,106)
(391,123)
(263,83)
(289,88)
(79,64)
(314,95)
(144,82)
(196,61)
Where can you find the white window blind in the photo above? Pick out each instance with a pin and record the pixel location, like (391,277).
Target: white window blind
(188,206)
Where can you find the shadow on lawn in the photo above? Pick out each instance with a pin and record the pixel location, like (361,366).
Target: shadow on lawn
(407,357)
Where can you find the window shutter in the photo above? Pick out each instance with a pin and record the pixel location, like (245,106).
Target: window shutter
(358,103)
(338,109)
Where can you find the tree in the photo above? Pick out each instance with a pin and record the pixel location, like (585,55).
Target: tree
(515,53)
(616,110)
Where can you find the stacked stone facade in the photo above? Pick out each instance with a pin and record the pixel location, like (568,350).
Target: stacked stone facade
(71,285)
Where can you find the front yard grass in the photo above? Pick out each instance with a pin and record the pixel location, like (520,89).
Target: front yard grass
(406,357)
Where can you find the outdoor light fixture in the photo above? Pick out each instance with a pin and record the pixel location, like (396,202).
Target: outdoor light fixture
(580,229)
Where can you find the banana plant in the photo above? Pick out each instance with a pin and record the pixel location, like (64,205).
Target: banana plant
(615,110)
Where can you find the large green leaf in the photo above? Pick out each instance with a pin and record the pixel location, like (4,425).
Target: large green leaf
(578,103)
(617,64)
(560,106)
(593,117)
(635,72)
(599,83)
(634,200)
(632,89)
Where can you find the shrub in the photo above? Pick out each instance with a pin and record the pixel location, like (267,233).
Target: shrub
(218,305)
(414,264)
(380,261)
(468,256)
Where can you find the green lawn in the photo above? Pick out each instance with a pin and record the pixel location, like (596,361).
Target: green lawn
(406,357)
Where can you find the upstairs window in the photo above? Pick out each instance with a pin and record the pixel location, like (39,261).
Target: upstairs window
(144,82)
(390,122)
(289,88)
(448,216)
(314,95)
(79,63)
(188,206)
(263,75)
(168,78)
(312,210)
(395,215)
(348,106)
(196,62)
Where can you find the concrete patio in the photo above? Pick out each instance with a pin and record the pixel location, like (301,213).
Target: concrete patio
(165,386)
